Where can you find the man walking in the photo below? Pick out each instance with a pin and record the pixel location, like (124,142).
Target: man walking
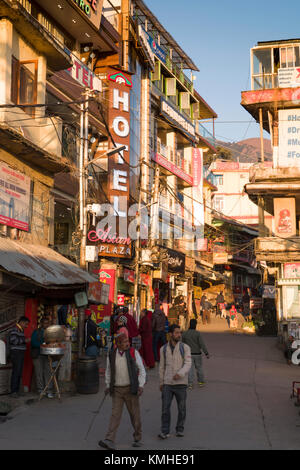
(175,363)
(125,378)
(17,346)
(194,340)
(158,329)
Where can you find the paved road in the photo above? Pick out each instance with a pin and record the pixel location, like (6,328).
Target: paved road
(245,405)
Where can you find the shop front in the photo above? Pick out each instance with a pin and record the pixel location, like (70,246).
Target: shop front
(288,300)
(37,282)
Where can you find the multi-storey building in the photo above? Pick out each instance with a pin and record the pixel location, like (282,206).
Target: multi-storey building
(274,102)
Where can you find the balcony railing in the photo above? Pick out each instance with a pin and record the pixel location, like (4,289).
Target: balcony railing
(206,134)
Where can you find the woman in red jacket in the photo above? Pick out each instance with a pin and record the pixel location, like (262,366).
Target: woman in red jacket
(145,330)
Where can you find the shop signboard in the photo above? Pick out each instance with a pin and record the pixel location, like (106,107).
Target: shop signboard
(175,170)
(285,217)
(269,292)
(121,299)
(177,119)
(147,45)
(14,198)
(197,157)
(99,292)
(145,280)
(220,257)
(83,74)
(91,9)
(155,48)
(289,138)
(129,275)
(176,261)
(107,295)
(256,303)
(291,271)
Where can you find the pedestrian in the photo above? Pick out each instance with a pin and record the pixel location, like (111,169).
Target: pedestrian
(158,330)
(206,311)
(91,342)
(125,378)
(145,331)
(122,326)
(131,325)
(194,340)
(17,347)
(175,363)
(219,302)
(41,364)
(233,317)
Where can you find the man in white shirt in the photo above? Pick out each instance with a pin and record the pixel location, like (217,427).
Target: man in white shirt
(125,378)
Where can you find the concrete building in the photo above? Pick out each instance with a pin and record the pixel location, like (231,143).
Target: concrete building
(274,102)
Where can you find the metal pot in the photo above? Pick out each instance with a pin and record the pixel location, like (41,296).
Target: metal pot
(54,334)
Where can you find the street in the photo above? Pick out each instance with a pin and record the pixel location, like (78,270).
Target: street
(244,405)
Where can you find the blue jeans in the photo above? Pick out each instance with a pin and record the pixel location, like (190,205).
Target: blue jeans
(158,336)
(168,392)
(197,362)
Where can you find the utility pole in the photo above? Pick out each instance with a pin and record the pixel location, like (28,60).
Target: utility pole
(83,159)
(138,252)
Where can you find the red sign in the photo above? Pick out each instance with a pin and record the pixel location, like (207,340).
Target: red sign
(121,299)
(145,280)
(107,276)
(162,161)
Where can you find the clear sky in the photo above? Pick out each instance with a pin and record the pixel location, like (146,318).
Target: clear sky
(218,36)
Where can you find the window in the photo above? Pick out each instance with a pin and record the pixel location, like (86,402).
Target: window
(219,180)
(289,57)
(24,83)
(218,203)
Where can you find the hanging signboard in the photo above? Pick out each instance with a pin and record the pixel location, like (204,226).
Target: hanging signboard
(14,198)
(176,261)
(269,292)
(83,74)
(177,119)
(285,217)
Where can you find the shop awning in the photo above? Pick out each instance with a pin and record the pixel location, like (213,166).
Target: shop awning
(41,265)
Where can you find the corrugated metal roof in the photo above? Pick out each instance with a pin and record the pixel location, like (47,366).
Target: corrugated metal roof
(42,265)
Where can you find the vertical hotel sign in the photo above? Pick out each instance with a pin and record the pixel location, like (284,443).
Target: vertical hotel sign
(119,85)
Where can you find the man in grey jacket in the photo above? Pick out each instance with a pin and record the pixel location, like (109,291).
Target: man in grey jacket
(175,363)
(194,340)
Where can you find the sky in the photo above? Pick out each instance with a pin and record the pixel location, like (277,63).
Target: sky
(218,36)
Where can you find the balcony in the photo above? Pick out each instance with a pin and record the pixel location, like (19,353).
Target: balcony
(19,13)
(277,250)
(208,136)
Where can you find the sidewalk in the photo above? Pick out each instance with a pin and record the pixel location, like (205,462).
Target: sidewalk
(244,405)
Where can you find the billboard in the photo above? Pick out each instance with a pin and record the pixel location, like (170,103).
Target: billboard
(285,217)
(14,198)
(289,138)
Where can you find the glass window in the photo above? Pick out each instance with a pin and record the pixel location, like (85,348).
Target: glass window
(292,302)
(24,83)
(262,61)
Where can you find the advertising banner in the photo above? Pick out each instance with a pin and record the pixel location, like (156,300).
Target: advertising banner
(289,138)
(14,198)
(292,271)
(285,217)
(288,78)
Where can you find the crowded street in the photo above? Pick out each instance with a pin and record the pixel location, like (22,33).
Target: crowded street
(245,404)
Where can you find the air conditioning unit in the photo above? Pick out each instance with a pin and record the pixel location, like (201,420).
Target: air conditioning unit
(171,87)
(185,100)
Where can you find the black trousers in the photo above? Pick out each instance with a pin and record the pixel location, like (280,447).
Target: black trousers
(168,392)
(17,360)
